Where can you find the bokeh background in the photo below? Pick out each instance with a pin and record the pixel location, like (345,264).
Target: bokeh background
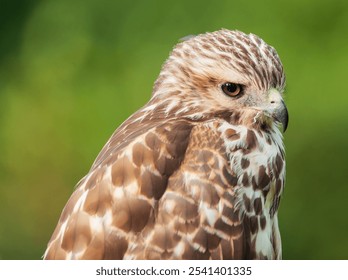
(72,71)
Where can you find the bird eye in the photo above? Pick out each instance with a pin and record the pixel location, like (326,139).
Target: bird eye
(231,89)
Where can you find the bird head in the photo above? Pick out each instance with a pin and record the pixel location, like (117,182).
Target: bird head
(224,72)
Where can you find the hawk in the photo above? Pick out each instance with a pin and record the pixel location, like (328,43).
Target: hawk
(198,172)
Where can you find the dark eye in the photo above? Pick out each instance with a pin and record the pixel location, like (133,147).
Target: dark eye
(231,89)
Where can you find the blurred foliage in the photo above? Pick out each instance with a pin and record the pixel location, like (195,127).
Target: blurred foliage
(72,71)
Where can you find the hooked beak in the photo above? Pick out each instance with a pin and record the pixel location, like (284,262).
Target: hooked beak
(278,108)
(281,115)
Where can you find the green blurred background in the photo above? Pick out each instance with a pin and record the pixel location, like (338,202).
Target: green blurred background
(72,71)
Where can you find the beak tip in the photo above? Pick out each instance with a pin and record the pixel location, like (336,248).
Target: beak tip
(285,122)
(284,128)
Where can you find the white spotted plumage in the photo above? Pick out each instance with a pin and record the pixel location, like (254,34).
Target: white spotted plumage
(264,156)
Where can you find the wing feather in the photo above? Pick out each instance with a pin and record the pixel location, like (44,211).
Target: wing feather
(118,198)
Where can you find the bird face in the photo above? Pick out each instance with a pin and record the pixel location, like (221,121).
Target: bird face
(227,71)
(267,104)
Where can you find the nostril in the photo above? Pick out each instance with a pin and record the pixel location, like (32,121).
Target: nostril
(272,102)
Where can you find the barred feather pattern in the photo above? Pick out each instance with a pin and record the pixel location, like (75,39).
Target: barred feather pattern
(193,174)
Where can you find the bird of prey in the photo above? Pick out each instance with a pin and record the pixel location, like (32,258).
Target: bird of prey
(198,172)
